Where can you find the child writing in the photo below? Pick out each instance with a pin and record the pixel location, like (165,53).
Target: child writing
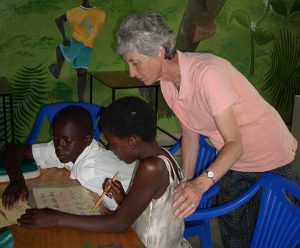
(73,148)
(129,126)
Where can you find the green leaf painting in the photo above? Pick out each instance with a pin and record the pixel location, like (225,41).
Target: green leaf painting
(295,7)
(279,7)
(241,17)
(262,37)
(283,78)
(30,93)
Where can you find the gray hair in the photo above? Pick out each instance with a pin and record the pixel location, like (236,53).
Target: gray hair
(145,33)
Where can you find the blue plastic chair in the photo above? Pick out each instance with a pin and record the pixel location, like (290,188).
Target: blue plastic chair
(278,221)
(49,111)
(201,228)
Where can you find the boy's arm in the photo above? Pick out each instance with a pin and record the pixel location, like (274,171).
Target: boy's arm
(16,189)
(60,21)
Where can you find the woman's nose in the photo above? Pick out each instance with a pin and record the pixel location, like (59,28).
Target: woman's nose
(132,72)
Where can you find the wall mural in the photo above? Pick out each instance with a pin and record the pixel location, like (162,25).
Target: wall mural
(260,38)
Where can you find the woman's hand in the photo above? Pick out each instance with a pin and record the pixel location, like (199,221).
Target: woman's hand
(14,192)
(190,194)
(39,218)
(114,189)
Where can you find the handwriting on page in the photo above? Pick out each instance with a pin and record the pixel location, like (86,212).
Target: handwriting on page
(8,217)
(72,199)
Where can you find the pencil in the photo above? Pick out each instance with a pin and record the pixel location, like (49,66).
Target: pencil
(104,193)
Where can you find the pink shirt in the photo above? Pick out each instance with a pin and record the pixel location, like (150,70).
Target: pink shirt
(209,85)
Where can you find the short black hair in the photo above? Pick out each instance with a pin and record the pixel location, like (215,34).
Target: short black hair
(129,116)
(76,114)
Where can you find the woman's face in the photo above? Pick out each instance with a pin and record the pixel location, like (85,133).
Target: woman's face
(145,68)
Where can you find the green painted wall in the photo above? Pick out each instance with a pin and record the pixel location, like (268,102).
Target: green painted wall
(29,37)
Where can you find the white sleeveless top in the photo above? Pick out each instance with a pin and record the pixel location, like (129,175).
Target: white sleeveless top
(157,227)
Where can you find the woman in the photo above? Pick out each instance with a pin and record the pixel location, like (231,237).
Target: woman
(210,97)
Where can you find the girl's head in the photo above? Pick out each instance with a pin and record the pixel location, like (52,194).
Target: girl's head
(124,123)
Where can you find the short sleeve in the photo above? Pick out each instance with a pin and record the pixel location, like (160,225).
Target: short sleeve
(217,90)
(70,14)
(44,155)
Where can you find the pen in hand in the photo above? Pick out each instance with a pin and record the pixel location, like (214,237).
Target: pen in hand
(104,193)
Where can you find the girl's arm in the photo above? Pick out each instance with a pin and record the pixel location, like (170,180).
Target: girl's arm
(150,182)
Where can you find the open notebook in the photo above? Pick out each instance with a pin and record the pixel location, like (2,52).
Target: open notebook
(29,169)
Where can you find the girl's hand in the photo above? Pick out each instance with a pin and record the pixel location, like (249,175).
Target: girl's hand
(114,189)
(14,192)
(39,218)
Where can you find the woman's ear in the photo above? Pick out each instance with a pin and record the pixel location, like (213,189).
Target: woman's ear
(162,52)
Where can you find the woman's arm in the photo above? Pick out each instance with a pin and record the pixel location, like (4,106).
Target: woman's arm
(189,151)
(150,181)
(192,191)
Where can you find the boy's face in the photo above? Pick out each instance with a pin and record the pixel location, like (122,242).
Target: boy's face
(120,147)
(69,140)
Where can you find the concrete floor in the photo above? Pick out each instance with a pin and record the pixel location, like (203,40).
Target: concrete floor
(216,238)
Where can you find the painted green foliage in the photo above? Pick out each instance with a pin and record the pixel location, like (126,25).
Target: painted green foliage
(283,78)
(31,37)
(30,93)
(257,34)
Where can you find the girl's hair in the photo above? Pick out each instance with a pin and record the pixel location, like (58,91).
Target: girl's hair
(129,116)
(78,115)
(145,33)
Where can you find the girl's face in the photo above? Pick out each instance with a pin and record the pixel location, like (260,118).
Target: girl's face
(120,147)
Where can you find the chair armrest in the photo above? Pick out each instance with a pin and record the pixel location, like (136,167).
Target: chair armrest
(206,213)
(209,195)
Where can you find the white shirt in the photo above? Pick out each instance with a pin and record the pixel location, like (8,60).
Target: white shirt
(91,168)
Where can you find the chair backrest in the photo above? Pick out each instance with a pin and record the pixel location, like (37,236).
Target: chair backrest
(206,154)
(49,111)
(278,222)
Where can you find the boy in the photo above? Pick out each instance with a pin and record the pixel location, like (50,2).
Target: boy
(72,148)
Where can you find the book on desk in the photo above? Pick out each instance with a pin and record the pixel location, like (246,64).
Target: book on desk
(29,170)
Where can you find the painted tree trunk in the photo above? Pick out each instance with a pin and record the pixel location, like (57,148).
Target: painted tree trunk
(198,23)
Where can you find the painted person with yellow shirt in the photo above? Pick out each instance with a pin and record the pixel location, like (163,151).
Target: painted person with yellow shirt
(86,22)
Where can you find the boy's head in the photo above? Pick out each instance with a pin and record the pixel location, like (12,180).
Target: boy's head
(125,120)
(72,132)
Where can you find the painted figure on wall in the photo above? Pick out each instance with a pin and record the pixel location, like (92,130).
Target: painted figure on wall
(86,22)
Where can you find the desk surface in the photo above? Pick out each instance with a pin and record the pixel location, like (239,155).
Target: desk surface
(66,237)
(119,80)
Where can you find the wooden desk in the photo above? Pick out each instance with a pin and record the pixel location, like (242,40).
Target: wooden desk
(66,237)
(118,80)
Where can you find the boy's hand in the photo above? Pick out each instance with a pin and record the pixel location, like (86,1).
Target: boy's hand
(114,189)
(39,218)
(14,192)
